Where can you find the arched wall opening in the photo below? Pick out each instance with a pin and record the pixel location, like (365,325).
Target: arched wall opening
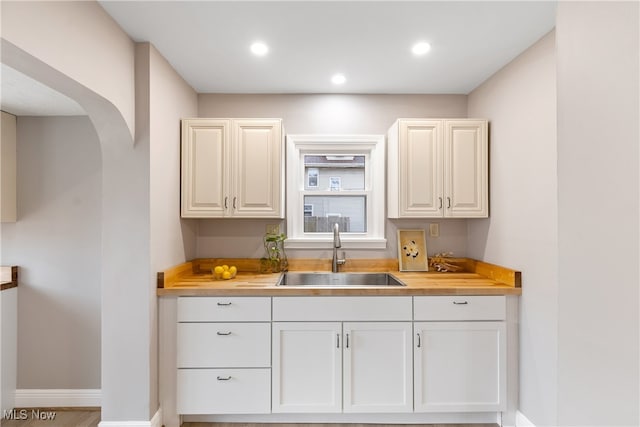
(124,276)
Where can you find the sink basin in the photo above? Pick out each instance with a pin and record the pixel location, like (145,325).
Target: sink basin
(338,279)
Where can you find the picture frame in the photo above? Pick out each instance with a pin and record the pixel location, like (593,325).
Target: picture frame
(412,250)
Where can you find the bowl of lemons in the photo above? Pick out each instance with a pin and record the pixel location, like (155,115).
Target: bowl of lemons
(224,272)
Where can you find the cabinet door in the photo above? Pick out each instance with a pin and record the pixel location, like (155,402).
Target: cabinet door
(307,371)
(466,169)
(258,180)
(204,165)
(460,366)
(377,367)
(420,168)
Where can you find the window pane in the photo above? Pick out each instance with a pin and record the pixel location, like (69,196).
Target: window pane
(334,172)
(321,212)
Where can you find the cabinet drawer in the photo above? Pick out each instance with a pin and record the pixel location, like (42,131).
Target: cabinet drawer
(213,309)
(459,308)
(341,308)
(224,345)
(224,391)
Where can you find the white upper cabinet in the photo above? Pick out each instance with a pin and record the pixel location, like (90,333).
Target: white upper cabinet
(438,168)
(232,168)
(466,169)
(8,168)
(205,160)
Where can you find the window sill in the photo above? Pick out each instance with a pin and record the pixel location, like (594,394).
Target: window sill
(327,243)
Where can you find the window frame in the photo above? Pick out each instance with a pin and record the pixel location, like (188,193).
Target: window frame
(373,147)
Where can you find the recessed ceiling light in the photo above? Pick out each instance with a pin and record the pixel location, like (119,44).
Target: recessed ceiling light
(259,49)
(338,79)
(420,48)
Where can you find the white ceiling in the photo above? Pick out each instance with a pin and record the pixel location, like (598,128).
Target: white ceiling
(207,42)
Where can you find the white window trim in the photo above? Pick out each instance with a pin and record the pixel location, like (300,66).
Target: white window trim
(373,146)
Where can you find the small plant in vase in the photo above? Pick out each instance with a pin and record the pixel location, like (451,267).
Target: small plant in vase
(275,259)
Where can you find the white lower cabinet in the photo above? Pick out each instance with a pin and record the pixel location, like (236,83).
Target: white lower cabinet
(443,355)
(341,365)
(460,366)
(377,373)
(224,355)
(223,391)
(307,367)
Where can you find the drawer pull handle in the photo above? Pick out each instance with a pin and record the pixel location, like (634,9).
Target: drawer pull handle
(226,199)
(223,333)
(346,343)
(224,303)
(234,202)
(337,340)
(440,199)
(460,302)
(448,202)
(419,341)
(224,378)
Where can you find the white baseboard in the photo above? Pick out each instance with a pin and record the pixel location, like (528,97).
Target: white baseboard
(522,421)
(156,421)
(57,398)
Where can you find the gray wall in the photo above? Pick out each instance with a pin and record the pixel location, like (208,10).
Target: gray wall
(57,244)
(36,41)
(172,239)
(565,211)
(327,114)
(598,213)
(521,233)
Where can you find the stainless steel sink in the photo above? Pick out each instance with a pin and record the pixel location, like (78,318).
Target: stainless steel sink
(338,279)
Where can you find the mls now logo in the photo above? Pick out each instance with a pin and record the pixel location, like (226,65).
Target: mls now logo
(25,414)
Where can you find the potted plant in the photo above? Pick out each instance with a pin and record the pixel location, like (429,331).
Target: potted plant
(275,259)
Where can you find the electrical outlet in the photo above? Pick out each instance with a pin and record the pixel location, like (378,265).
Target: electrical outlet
(273,228)
(434,230)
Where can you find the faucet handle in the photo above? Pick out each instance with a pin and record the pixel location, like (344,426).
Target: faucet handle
(343,260)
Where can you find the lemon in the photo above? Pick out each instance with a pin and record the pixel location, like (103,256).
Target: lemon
(225,267)
(218,269)
(226,275)
(233,270)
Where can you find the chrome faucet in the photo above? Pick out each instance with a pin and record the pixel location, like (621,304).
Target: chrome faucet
(336,245)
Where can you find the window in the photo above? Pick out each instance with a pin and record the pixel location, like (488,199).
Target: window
(335,179)
(312,177)
(308,210)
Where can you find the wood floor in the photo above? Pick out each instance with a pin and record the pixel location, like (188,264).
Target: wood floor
(61,417)
(53,417)
(331,425)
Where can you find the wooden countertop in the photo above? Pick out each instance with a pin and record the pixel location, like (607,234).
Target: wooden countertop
(8,277)
(194,278)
